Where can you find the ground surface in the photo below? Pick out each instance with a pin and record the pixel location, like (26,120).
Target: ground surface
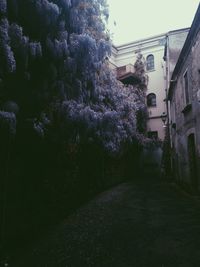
(144,223)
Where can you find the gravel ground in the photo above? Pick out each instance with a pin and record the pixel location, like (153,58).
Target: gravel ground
(143,223)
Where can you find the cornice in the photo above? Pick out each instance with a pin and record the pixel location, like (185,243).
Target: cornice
(151,41)
(151,38)
(146,43)
(126,54)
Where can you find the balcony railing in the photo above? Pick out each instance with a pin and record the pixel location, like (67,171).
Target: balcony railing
(121,71)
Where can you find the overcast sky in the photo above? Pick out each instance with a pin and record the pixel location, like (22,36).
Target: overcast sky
(137,19)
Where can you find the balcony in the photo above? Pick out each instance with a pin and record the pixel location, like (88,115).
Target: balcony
(126,74)
(125,69)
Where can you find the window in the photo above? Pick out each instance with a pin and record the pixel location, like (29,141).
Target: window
(151,100)
(153,134)
(150,62)
(186,87)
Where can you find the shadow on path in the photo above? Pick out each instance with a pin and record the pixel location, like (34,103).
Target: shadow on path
(146,222)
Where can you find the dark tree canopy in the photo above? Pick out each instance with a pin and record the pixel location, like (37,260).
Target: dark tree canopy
(54,69)
(68,127)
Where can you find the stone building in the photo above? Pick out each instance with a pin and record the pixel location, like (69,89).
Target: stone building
(184,119)
(155,50)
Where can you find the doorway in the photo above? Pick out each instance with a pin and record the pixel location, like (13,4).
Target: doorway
(192,162)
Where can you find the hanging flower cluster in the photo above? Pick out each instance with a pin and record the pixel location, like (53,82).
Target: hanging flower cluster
(8,122)
(6,56)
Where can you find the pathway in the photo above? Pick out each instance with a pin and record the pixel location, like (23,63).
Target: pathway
(141,224)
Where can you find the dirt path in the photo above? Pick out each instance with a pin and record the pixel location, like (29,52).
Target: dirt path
(145,223)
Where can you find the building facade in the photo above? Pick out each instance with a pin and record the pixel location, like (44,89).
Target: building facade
(154,50)
(184,97)
(123,59)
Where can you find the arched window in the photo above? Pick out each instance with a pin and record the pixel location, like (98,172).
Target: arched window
(150,62)
(151,100)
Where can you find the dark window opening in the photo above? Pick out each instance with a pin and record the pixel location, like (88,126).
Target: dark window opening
(150,62)
(151,100)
